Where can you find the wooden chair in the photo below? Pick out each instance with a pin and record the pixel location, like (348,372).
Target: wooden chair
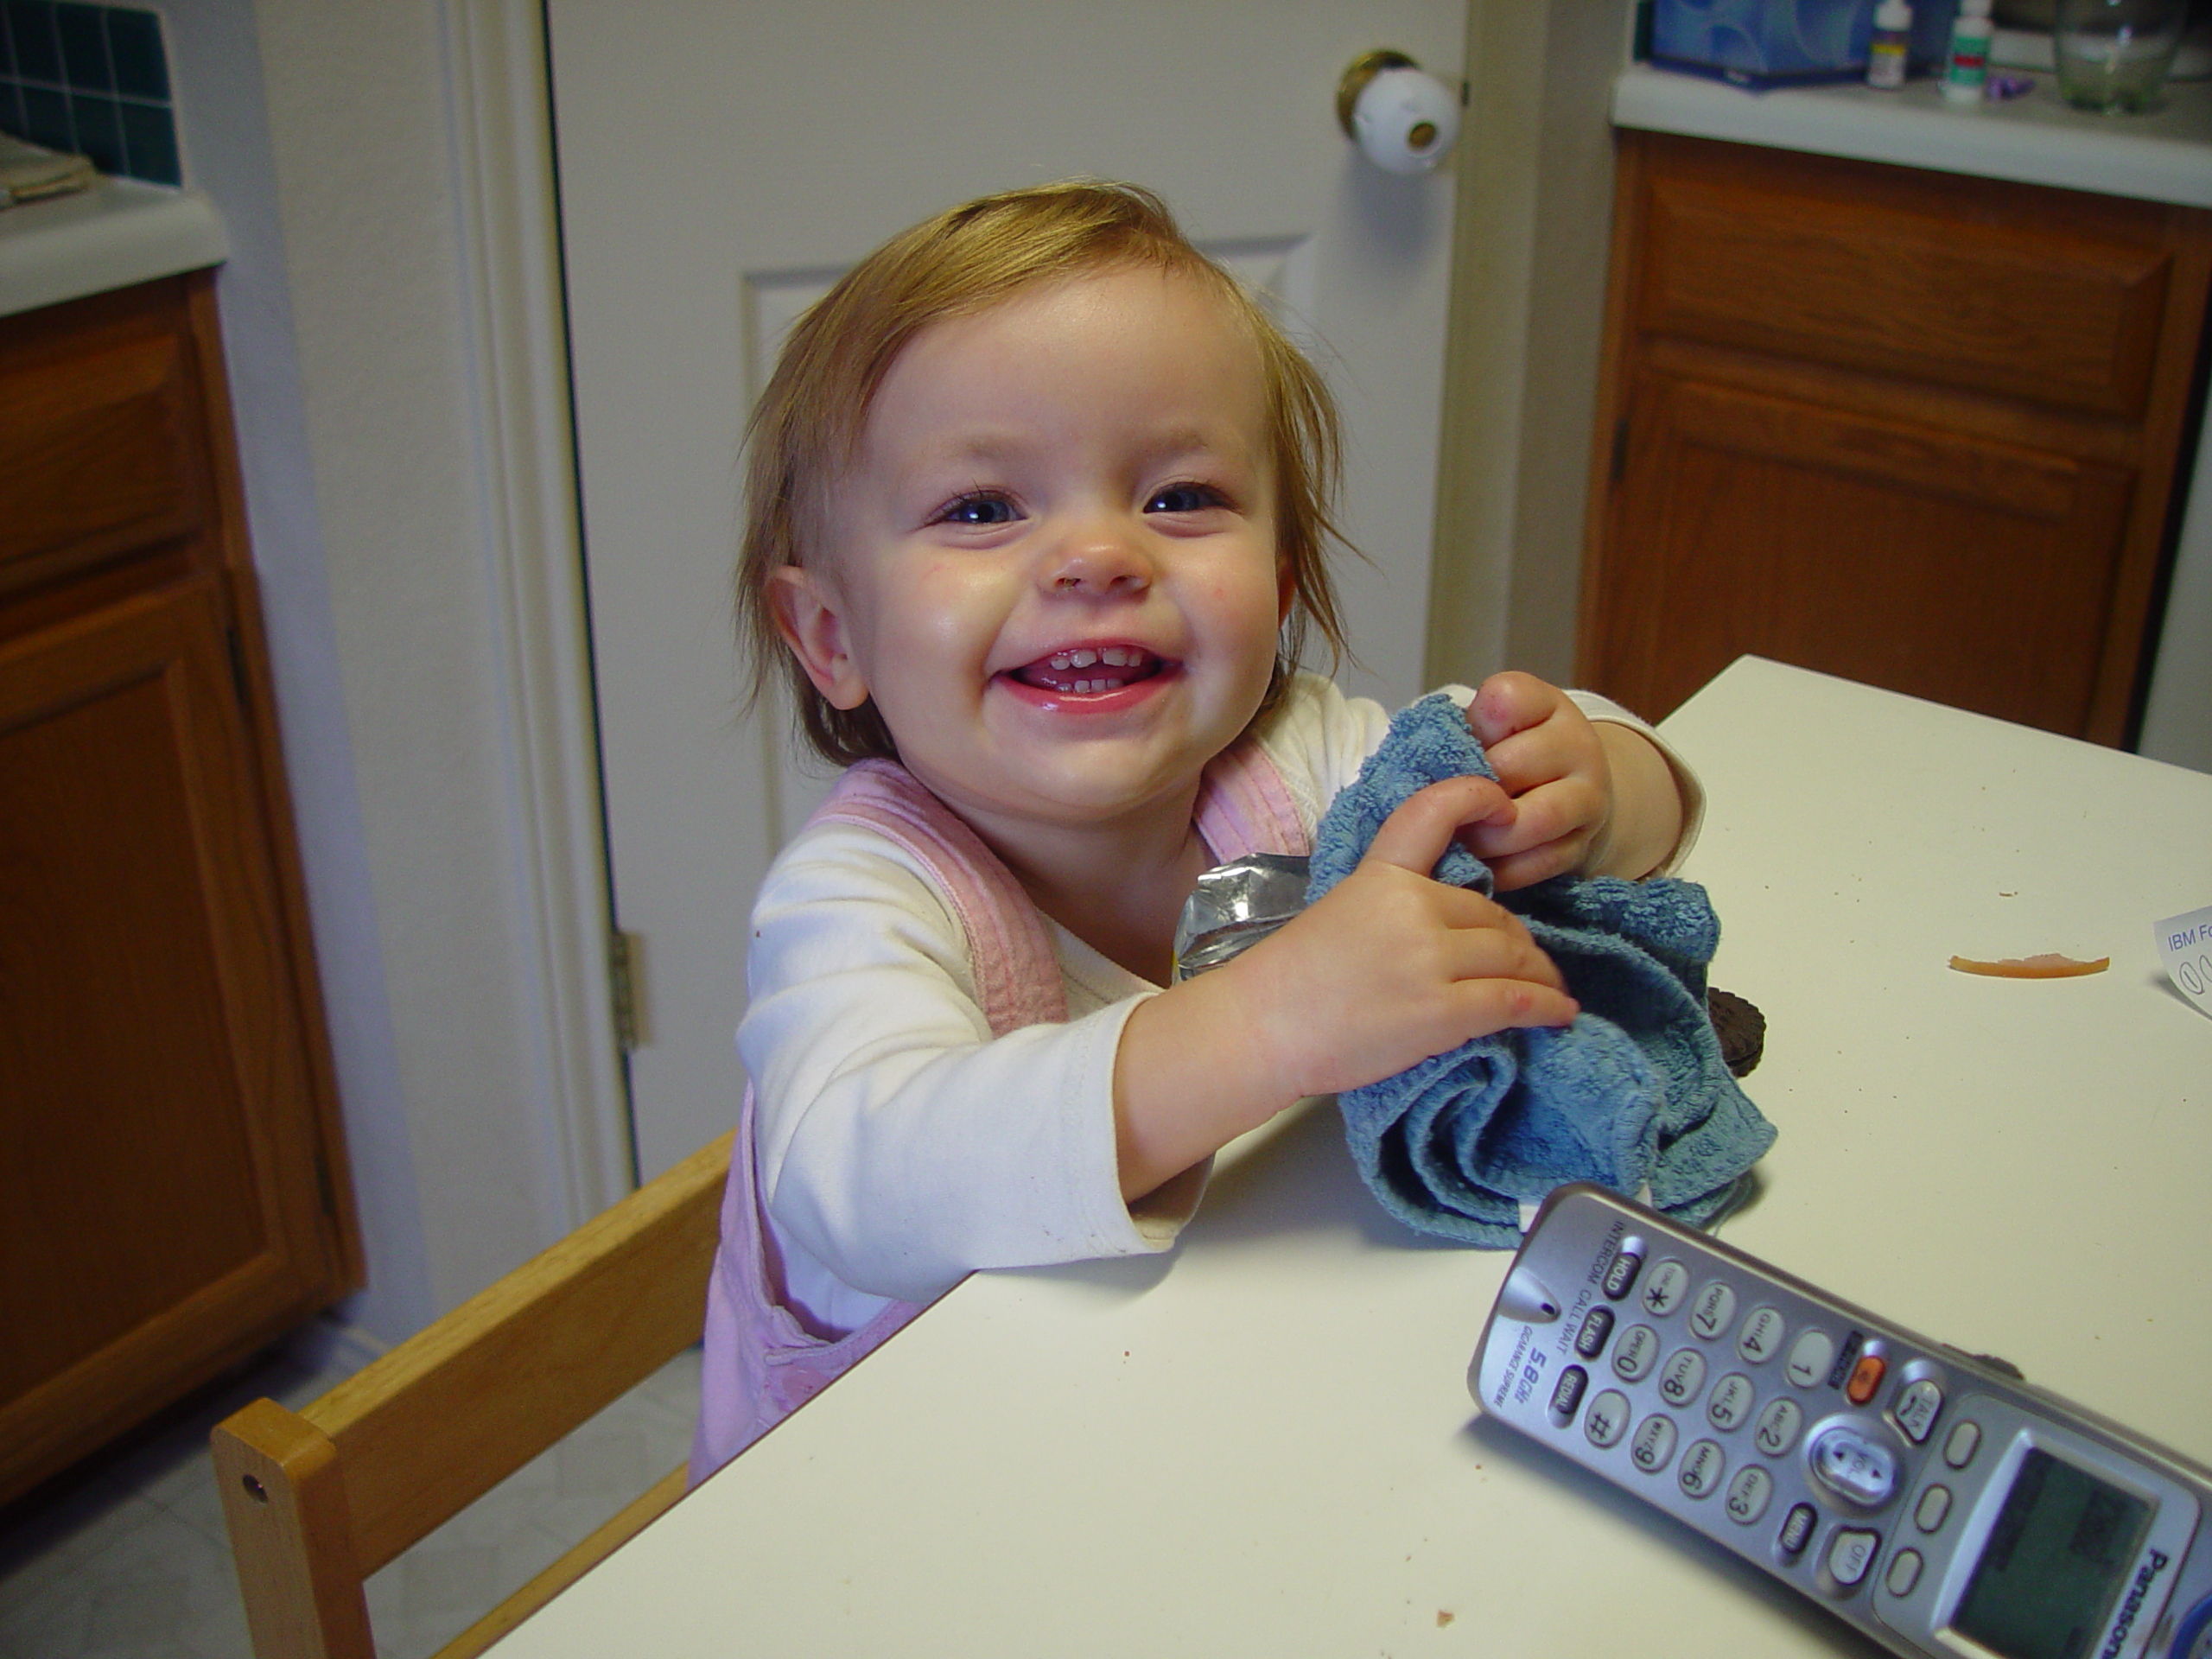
(318,1500)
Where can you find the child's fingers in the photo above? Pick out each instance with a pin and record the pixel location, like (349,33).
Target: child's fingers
(1490,942)
(1510,702)
(1502,1004)
(1415,836)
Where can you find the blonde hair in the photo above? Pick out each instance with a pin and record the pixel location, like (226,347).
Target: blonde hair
(809,423)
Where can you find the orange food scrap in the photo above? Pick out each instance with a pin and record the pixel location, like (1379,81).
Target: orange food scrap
(2042,967)
(1444,1619)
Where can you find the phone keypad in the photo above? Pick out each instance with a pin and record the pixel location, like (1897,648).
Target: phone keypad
(1794,1421)
(1732,1399)
(1778,1427)
(1637,1353)
(1653,1448)
(1666,1289)
(1714,1312)
(1762,1335)
(1682,1378)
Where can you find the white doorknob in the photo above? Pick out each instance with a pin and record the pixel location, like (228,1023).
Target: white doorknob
(1402,118)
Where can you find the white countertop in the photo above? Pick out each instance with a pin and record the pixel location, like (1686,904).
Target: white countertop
(118,232)
(2166,155)
(1264,1443)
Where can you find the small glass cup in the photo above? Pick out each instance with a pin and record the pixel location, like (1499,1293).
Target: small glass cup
(2113,55)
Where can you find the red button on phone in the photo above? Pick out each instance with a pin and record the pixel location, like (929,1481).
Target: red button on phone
(1865,1377)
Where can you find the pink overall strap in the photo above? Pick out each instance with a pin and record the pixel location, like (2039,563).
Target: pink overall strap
(1009,948)
(1245,807)
(761,1364)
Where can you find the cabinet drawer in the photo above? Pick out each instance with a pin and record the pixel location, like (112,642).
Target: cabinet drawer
(1852,269)
(97,454)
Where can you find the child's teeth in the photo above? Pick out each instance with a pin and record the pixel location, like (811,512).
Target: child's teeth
(1082,658)
(1116,657)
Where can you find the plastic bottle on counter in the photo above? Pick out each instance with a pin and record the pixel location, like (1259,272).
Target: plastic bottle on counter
(1966,69)
(1890,46)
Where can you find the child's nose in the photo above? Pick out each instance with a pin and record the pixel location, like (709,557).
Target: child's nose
(1099,562)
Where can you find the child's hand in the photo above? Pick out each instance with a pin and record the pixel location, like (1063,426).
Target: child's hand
(1594,800)
(1392,967)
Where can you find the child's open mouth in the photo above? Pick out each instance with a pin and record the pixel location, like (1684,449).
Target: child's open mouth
(1089,669)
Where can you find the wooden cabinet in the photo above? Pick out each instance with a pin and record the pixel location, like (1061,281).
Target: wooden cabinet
(173,1182)
(1909,427)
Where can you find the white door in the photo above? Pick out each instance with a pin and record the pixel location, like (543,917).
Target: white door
(720,163)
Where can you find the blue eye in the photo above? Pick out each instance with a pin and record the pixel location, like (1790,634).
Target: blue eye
(982,508)
(1185,498)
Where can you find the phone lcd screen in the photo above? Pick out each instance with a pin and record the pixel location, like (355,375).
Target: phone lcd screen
(2057,1557)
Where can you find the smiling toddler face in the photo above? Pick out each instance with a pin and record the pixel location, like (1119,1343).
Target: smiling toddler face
(1052,563)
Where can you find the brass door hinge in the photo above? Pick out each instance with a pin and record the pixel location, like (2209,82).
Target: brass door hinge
(625,964)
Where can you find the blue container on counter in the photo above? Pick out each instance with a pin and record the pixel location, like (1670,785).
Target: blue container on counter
(1785,42)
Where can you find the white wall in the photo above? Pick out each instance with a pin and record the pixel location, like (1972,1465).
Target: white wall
(321,132)
(2178,718)
(1534,212)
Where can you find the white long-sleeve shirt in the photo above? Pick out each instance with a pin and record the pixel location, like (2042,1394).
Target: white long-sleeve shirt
(902,1145)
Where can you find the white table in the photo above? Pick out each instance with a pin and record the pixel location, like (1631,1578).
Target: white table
(1264,1444)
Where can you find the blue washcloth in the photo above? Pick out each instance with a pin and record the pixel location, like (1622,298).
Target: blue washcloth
(1635,1091)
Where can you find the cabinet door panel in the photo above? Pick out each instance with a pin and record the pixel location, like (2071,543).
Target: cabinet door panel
(100,452)
(2031,308)
(158,1179)
(1951,567)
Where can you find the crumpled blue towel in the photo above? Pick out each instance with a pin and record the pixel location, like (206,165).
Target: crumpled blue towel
(1634,1092)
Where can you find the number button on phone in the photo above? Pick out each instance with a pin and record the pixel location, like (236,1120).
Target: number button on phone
(1809,1357)
(1714,1312)
(1607,1418)
(1636,1353)
(1654,1443)
(1748,1493)
(1683,1378)
(1731,1401)
(1778,1427)
(1666,1289)
(1762,1335)
(1702,1466)
(1597,1325)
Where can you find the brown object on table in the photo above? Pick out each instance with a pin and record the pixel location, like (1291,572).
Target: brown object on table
(2042,967)
(1741,1028)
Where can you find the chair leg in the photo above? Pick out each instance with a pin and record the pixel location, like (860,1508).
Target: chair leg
(291,1536)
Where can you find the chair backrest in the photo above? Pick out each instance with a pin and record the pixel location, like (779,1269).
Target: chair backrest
(317,1500)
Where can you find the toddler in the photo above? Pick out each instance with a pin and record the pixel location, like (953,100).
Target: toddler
(1037,518)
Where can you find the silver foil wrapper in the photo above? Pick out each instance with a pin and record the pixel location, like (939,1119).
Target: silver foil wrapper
(1235,906)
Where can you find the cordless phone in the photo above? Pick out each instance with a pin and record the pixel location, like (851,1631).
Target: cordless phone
(1930,1498)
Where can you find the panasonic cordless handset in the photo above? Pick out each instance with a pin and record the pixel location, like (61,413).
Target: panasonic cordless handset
(1930,1498)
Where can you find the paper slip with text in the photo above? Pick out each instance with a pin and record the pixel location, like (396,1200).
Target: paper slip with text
(2185,946)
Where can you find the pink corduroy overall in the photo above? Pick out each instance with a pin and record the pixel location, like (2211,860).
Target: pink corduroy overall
(761,1363)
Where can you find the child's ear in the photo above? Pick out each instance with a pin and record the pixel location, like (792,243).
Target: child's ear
(807,616)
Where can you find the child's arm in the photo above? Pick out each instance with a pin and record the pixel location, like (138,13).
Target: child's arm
(1388,969)
(1590,799)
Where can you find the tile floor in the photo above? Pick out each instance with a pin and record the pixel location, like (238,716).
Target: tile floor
(131,1560)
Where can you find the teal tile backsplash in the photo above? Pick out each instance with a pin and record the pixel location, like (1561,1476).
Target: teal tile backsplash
(93,80)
